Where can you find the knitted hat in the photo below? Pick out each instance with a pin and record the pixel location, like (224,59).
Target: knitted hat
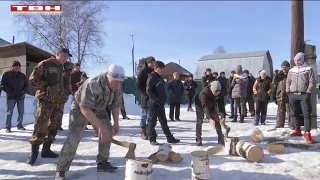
(299,56)
(285,63)
(16,63)
(208,69)
(115,72)
(215,86)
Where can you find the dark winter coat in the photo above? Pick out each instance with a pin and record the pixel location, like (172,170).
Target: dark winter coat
(240,88)
(190,87)
(206,80)
(75,78)
(209,103)
(15,84)
(251,81)
(262,86)
(224,85)
(141,84)
(230,86)
(155,90)
(176,89)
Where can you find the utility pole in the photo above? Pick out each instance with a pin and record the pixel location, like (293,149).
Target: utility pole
(132,53)
(297,28)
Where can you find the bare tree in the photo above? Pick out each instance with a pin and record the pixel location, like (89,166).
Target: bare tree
(79,27)
(219,50)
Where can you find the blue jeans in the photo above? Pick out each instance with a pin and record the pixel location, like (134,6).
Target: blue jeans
(144,116)
(10,106)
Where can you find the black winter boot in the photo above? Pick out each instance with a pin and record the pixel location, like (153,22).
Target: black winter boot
(241,118)
(171,139)
(105,167)
(153,141)
(144,134)
(235,119)
(198,141)
(34,154)
(46,151)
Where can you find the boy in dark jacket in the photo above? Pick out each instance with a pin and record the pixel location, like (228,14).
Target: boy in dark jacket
(207,103)
(157,99)
(176,89)
(190,87)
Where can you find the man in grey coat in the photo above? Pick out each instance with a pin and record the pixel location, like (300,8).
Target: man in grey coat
(299,85)
(239,86)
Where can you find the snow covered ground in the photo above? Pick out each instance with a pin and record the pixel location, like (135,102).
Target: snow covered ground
(294,163)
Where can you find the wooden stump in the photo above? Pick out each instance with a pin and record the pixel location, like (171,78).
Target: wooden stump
(249,151)
(153,158)
(200,166)
(163,152)
(275,148)
(175,157)
(230,145)
(138,169)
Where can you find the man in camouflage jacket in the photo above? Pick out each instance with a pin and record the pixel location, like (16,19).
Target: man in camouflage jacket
(51,79)
(89,104)
(279,80)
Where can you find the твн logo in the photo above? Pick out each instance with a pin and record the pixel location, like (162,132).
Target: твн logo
(36,9)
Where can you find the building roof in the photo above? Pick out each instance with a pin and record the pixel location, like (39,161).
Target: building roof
(32,50)
(3,42)
(252,61)
(234,55)
(172,67)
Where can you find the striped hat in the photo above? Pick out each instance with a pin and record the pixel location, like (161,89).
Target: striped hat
(115,72)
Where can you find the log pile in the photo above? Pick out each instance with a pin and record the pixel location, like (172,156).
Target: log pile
(165,153)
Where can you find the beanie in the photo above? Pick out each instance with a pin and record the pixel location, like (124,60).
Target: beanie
(115,72)
(285,63)
(215,86)
(299,56)
(16,63)
(239,70)
(208,69)
(150,59)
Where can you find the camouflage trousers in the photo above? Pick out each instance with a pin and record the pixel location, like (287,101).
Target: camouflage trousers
(47,123)
(123,109)
(217,123)
(77,125)
(283,110)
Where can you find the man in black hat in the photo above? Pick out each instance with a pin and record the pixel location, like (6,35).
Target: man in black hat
(207,78)
(15,84)
(51,79)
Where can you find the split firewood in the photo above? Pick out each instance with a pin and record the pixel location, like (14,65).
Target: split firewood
(163,152)
(175,157)
(275,148)
(256,136)
(153,158)
(214,150)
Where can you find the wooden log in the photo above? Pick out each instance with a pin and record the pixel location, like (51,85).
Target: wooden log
(138,169)
(163,152)
(153,158)
(249,151)
(200,166)
(256,136)
(214,150)
(175,157)
(230,145)
(275,148)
